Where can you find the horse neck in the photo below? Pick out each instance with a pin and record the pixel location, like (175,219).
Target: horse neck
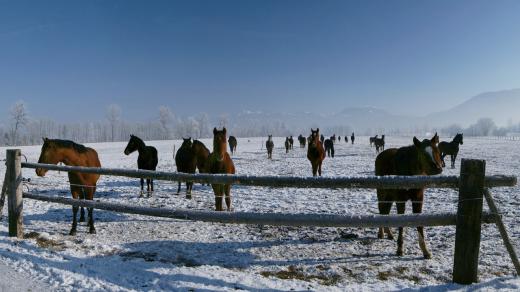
(69,157)
(219,148)
(140,145)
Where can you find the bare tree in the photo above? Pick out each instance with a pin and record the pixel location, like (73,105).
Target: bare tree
(19,119)
(165,119)
(203,121)
(113,116)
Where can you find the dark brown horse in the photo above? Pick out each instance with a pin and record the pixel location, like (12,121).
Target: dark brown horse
(82,185)
(186,162)
(372,140)
(232,144)
(269,145)
(201,153)
(291,142)
(287,145)
(219,161)
(147,159)
(315,152)
(352,138)
(329,147)
(451,149)
(421,158)
(380,143)
(302,141)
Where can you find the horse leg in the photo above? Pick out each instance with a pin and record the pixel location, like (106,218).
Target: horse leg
(417,208)
(314,168)
(76,196)
(453,158)
(442,159)
(148,187)
(179,188)
(142,187)
(400,238)
(384,205)
(227,190)
(319,168)
(189,185)
(217,189)
(82,212)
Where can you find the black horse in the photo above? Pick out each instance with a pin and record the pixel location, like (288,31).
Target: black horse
(291,142)
(287,145)
(147,159)
(372,140)
(302,141)
(269,145)
(380,143)
(451,149)
(232,141)
(352,137)
(329,147)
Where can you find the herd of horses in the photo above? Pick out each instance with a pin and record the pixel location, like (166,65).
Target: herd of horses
(424,157)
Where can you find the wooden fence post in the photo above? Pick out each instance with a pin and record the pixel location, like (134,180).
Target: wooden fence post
(15,204)
(469,213)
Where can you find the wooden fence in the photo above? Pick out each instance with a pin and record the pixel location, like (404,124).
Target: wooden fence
(472,184)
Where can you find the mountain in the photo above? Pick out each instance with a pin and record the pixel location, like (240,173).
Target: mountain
(501,106)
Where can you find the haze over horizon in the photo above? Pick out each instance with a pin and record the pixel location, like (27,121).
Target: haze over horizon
(69,60)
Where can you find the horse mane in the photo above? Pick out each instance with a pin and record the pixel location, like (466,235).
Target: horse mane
(70,144)
(139,140)
(200,144)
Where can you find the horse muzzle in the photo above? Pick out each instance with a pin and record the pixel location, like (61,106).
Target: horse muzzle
(41,172)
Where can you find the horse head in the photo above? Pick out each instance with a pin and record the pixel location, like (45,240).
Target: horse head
(429,155)
(219,139)
(48,155)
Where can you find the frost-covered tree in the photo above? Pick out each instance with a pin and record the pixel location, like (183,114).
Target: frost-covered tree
(19,119)
(165,119)
(113,116)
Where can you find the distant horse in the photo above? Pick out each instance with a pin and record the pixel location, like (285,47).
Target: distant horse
(302,141)
(346,139)
(322,139)
(333,138)
(329,147)
(315,152)
(352,137)
(147,159)
(186,162)
(82,185)
(269,145)
(422,158)
(219,161)
(232,144)
(339,138)
(451,149)
(372,140)
(287,145)
(380,144)
(291,142)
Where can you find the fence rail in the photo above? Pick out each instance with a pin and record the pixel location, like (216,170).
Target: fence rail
(382,182)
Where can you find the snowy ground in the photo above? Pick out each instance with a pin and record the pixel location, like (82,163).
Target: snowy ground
(132,252)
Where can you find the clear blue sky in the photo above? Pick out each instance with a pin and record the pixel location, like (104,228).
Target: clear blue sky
(226,56)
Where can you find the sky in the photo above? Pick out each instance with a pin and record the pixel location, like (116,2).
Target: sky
(69,60)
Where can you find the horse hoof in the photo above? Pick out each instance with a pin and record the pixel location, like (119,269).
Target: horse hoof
(188,197)
(400,253)
(92,230)
(72,232)
(81,219)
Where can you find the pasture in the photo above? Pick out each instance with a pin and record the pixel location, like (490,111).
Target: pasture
(138,252)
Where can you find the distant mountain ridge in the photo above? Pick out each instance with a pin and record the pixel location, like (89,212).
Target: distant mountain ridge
(501,106)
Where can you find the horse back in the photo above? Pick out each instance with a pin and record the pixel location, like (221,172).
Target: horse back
(88,159)
(148,159)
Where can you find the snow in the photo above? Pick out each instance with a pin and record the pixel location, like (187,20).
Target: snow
(132,252)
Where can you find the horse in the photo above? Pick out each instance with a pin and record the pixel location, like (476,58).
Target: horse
(380,143)
(372,140)
(315,151)
(352,137)
(186,162)
(451,149)
(232,144)
(147,159)
(291,142)
(287,145)
(346,139)
(219,161)
(82,185)
(269,145)
(339,138)
(201,153)
(302,141)
(329,147)
(322,139)
(421,158)
(333,138)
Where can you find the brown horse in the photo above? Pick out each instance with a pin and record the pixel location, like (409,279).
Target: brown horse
(201,153)
(186,162)
(315,151)
(287,145)
(82,185)
(422,158)
(219,161)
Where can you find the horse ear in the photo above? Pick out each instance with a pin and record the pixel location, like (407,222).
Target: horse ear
(317,129)
(44,139)
(416,142)
(215,131)
(435,139)
(224,130)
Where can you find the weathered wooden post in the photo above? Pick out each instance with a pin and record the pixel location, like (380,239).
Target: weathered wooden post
(469,213)
(15,204)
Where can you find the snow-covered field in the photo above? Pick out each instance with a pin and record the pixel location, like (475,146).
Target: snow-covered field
(131,252)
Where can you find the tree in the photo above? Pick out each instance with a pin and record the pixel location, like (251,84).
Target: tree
(113,116)
(165,119)
(19,119)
